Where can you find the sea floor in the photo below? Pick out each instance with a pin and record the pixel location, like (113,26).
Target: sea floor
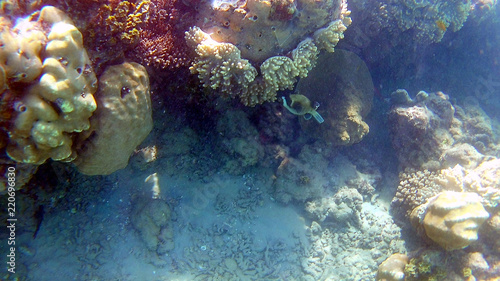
(221,228)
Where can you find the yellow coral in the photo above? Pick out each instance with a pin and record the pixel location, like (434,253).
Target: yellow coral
(392,269)
(328,37)
(452,219)
(61,101)
(124,19)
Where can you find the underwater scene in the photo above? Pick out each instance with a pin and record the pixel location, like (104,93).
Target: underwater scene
(172,140)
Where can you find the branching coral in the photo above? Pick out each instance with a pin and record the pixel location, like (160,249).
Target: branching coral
(118,21)
(267,33)
(219,65)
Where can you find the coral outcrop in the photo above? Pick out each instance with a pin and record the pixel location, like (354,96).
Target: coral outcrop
(233,39)
(352,253)
(428,20)
(452,219)
(161,42)
(121,122)
(449,206)
(50,85)
(417,187)
(342,85)
(150,217)
(392,269)
(430,132)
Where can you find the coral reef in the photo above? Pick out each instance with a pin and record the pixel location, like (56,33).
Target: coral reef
(219,65)
(417,187)
(343,207)
(452,219)
(125,102)
(50,86)
(235,37)
(424,21)
(368,244)
(427,266)
(392,269)
(431,133)
(302,178)
(161,35)
(342,85)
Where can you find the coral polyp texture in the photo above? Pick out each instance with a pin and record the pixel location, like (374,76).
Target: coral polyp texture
(452,219)
(49,86)
(417,187)
(121,122)
(161,33)
(233,39)
(450,205)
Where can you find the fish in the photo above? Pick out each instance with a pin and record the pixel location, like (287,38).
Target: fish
(38,216)
(441,25)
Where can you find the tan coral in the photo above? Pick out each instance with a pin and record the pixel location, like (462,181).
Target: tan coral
(61,102)
(279,72)
(305,57)
(452,219)
(328,37)
(392,269)
(272,34)
(219,65)
(121,122)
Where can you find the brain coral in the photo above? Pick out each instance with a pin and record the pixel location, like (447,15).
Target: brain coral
(452,219)
(233,37)
(52,100)
(121,122)
(473,192)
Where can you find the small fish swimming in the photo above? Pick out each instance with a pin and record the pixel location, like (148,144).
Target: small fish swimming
(301,105)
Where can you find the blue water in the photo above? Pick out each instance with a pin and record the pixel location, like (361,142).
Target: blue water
(223,191)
